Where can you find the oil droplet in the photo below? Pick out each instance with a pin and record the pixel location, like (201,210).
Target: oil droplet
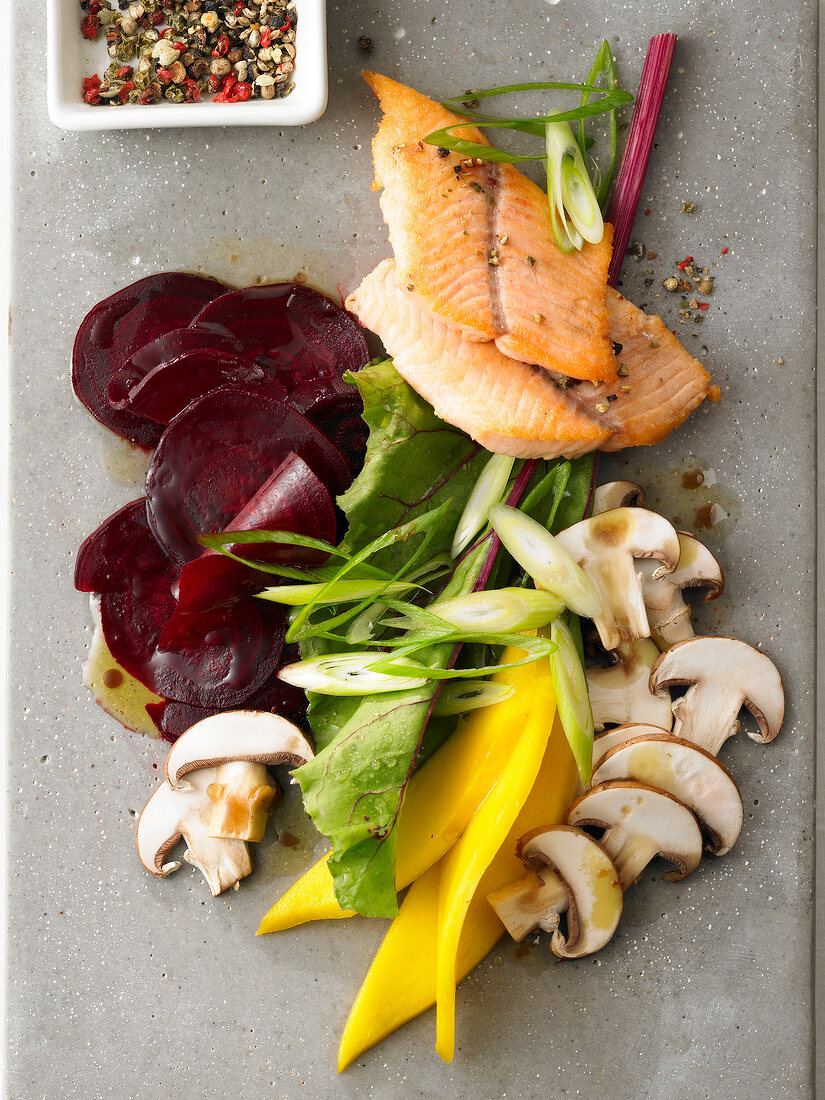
(692,479)
(708,515)
(399,33)
(112,678)
(118,693)
(126,465)
(289,840)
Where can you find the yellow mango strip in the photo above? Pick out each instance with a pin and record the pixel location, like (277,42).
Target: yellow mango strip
(441,799)
(401,982)
(469,858)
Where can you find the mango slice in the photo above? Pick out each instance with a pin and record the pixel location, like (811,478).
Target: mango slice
(401,983)
(464,865)
(441,800)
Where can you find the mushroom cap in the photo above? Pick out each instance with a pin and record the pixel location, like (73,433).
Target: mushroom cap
(592,882)
(697,568)
(611,739)
(159,824)
(617,494)
(638,816)
(250,736)
(688,773)
(724,675)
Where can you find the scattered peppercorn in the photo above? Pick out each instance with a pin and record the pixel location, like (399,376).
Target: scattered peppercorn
(688,207)
(365,44)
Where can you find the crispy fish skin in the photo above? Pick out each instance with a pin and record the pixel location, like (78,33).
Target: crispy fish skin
(476,243)
(505,405)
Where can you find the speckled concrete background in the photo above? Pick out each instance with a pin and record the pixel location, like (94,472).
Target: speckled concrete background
(123,985)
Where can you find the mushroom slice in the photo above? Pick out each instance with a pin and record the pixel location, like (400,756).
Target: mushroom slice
(688,773)
(621,693)
(723,675)
(535,901)
(617,494)
(667,612)
(640,822)
(606,547)
(238,744)
(170,816)
(611,739)
(587,874)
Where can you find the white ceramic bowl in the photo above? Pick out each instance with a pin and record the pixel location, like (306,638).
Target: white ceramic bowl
(72,57)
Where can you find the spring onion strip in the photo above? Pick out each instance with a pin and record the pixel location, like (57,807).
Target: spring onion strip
(572,699)
(333,592)
(621,211)
(487,491)
(546,561)
(555,482)
(396,663)
(345,674)
(499,610)
(602,66)
(459,698)
(300,630)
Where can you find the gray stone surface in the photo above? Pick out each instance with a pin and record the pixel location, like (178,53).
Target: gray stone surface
(123,985)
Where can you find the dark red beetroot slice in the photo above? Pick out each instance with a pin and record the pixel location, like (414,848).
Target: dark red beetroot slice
(217,453)
(114,329)
(293,331)
(171,386)
(232,656)
(293,499)
(335,407)
(172,718)
(104,559)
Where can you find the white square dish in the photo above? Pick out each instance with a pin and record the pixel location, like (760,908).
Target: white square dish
(72,57)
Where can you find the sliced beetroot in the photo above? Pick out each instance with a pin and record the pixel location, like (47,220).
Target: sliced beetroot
(292,499)
(215,456)
(171,386)
(117,327)
(335,407)
(233,653)
(105,558)
(293,331)
(172,718)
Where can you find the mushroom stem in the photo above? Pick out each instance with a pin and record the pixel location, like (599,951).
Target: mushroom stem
(241,796)
(223,862)
(621,693)
(631,854)
(535,901)
(718,706)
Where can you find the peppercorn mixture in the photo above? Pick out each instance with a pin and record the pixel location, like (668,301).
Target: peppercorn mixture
(186,48)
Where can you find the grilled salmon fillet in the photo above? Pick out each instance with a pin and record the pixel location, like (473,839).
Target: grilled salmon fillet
(517,409)
(475,241)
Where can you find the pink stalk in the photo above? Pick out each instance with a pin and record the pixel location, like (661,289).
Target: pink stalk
(621,211)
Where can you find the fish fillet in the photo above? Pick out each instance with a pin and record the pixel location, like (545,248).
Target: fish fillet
(474,240)
(513,408)
(505,405)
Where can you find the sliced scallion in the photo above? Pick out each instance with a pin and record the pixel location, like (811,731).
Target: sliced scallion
(572,699)
(487,491)
(461,697)
(540,555)
(345,674)
(499,610)
(334,592)
(569,191)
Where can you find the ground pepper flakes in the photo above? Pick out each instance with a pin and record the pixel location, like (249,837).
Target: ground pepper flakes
(173,44)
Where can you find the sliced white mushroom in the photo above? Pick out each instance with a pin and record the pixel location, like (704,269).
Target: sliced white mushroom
(667,612)
(611,739)
(723,675)
(170,816)
(606,547)
(688,773)
(640,823)
(564,858)
(239,744)
(617,494)
(621,693)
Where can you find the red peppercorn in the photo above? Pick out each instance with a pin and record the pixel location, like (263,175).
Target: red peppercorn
(285,27)
(164,76)
(687,260)
(724,251)
(241,92)
(179,46)
(155,18)
(704,305)
(123,71)
(222,46)
(266,37)
(213,82)
(123,94)
(89,27)
(191,89)
(238,9)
